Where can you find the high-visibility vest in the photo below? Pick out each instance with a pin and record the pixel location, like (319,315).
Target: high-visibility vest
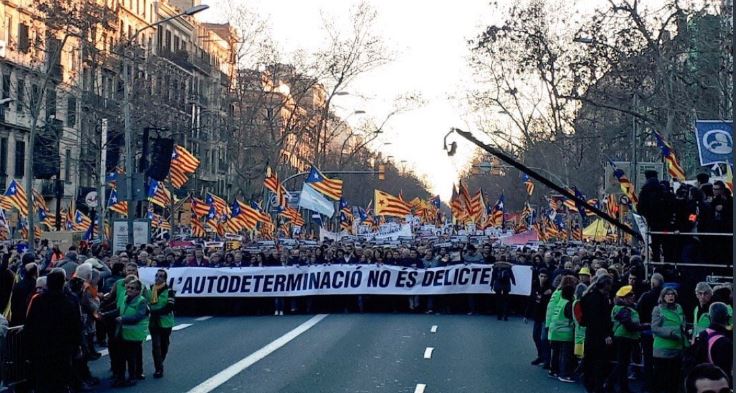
(138,331)
(561,328)
(702,323)
(552,307)
(619,330)
(672,319)
(166,320)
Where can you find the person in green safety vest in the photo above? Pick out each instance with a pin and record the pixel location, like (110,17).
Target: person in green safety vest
(626,334)
(562,336)
(701,318)
(133,320)
(668,328)
(161,301)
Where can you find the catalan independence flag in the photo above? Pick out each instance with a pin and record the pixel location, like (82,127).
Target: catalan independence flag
(272,183)
(220,205)
(329,187)
(673,165)
(528,184)
(16,195)
(81,221)
(389,205)
(199,207)
(627,187)
(158,194)
(183,163)
(114,204)
(245,214)
(197,227)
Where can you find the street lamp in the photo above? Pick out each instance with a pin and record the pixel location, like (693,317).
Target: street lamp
(126,110)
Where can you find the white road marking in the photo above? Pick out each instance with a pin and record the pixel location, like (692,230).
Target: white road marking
(181,326)
(433,329)
(204,318)
(420,388)
(428,352)
(226,374)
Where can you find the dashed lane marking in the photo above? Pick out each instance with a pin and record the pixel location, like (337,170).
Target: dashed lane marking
(433,329)
(428,352)
(420,388)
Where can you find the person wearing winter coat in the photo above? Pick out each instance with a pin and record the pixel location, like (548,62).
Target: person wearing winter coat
(502,278)
(626,335)
(668,327)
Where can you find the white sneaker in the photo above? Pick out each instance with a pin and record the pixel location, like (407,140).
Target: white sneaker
(281,313)
(275,313)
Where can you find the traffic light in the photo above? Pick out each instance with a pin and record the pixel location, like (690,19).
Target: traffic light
(381,171)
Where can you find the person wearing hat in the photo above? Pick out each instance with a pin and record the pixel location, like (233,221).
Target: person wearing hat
(626,334)
(584,275)
(668,327)
(718,338)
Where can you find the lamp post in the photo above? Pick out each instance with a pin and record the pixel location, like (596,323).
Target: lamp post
(129,170)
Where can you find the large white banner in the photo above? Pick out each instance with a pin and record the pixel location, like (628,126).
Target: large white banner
(335,280)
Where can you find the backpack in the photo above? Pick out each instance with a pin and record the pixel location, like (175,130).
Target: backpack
(699,351)
(577,312)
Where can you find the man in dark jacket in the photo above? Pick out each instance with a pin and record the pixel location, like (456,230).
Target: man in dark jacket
(22,291)
(536,311)
(53,333)
(502,277)
(646,304)
(651,207)
(597,321)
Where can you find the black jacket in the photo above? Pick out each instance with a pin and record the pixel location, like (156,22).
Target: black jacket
(53,329)
(721,353)
(502,277)
(597,318)
(647,302)
(22,292)
(651,200)
(536,308)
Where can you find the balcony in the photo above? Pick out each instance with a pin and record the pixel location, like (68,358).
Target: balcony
(56,72)
(180,58)
(202,63)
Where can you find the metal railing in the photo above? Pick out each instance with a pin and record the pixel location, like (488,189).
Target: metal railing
(649,262)
(15,369)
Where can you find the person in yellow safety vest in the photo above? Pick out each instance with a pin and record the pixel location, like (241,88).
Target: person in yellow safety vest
(668,328)
(133,320)
(701,318)
(562,336)
(579,329)
(161,301)
(626,335)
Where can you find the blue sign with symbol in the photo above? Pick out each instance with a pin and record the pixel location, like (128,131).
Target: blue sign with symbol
(715,141)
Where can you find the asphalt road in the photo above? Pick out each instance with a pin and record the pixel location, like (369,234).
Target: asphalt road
(346,353)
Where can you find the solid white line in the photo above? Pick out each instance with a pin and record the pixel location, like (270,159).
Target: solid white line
(428,352)
(420,388)
(181,326)
(434,329)
(226,374)
(200,319)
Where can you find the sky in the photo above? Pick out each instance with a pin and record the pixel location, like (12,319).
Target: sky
(428,40)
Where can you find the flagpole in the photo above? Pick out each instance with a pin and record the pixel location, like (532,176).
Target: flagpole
(469,136)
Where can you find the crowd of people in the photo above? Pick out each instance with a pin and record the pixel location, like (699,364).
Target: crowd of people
(704,207)
(593,308)
(591,323)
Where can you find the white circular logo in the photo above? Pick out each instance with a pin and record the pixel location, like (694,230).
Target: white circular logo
(718,141)
(91,199)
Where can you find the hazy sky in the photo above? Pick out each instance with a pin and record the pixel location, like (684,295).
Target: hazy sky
(428,39)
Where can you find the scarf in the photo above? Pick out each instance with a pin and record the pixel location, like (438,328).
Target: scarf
(156,290)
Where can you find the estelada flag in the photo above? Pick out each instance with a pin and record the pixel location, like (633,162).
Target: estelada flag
(389,205)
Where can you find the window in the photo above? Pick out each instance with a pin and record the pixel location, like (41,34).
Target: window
(67,165)
(20,159)
(71,111)
(176,43)
(20,95)
(34,97)
(8,27)
(24,44)
(4,156)
(51,101)
(6,85)
(167,42)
